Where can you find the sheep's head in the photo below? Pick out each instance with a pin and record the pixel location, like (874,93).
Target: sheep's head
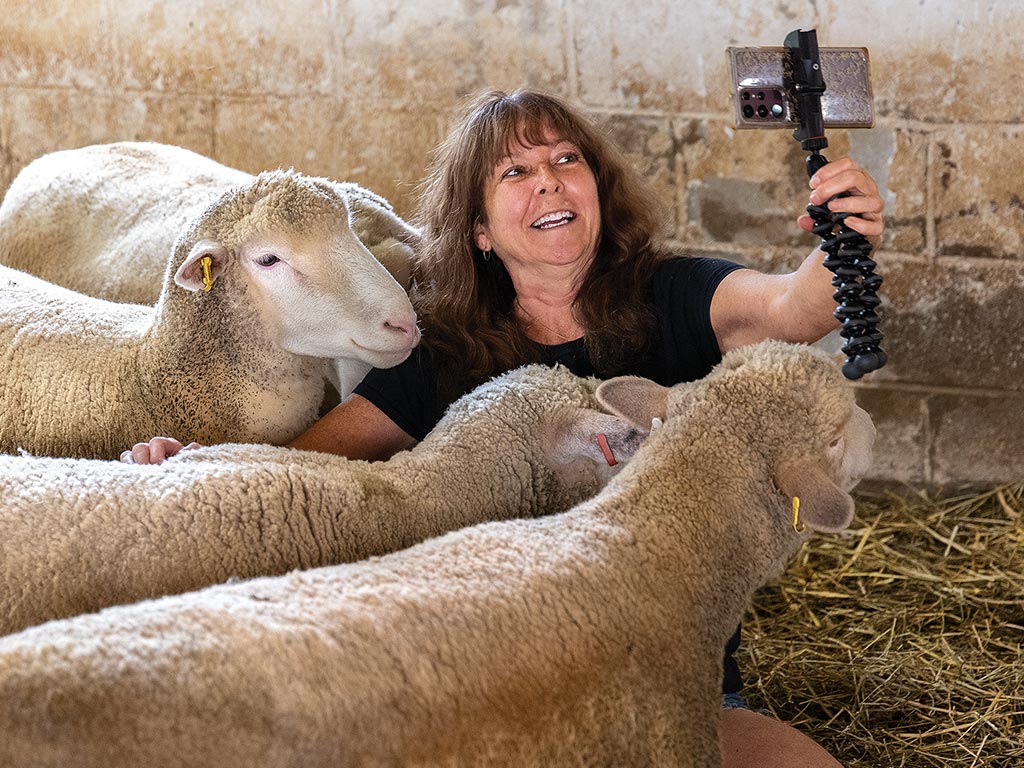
(787,401)
(545,424)
(316,287)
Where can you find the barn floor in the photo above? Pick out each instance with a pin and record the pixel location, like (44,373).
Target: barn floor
(901,643)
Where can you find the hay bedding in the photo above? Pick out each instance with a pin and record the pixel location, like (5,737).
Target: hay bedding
(901,643)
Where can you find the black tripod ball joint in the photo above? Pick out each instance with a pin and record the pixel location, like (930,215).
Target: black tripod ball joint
(847,252)
(848,258)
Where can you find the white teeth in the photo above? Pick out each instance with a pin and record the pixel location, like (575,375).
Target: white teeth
(556,217)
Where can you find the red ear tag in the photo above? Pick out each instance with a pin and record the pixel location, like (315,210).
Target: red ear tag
(606,449)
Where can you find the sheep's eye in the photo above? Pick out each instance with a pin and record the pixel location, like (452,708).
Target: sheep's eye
(267,260)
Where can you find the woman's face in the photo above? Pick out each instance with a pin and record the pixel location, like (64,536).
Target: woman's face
(542,208)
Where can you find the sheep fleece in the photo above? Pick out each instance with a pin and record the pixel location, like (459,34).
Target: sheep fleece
(592,637)
(79,535)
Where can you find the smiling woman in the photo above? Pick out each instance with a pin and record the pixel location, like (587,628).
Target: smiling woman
(541,244)
(542,220)
(563,234)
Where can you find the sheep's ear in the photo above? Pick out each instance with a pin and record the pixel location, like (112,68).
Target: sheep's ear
(396,256)
(391,240)
(824,506)
(579,433)
(190,274)
(636,399)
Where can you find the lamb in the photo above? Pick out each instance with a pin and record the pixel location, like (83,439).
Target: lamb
(101,219)
(81,535)
(590,637)
(290,290)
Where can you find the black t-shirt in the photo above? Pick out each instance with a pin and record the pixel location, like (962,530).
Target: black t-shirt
(685,349)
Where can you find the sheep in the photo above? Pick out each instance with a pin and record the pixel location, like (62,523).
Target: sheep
(290,290)
(101,219)
(593,637)
(81,535)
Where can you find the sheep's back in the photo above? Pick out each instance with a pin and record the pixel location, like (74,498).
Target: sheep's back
(84,535)
(103,219)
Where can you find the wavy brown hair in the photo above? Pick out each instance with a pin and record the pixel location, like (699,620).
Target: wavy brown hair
(466,302)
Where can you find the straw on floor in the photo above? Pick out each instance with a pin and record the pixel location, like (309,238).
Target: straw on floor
(901,642)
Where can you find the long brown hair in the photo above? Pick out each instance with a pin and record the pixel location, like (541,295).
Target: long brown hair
(466,301)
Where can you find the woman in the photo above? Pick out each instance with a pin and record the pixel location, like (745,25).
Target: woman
(542,246)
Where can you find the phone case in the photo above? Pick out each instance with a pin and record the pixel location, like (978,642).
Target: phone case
(759,97)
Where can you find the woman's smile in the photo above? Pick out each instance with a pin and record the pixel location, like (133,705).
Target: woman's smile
(554,219)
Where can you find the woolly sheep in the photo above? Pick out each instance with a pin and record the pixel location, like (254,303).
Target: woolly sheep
(591,637)
(101,219)
(292,290)
(81,535)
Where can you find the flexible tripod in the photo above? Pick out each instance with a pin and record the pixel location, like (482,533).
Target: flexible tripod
(848,253)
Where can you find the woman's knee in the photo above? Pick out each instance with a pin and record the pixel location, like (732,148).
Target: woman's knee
(753,740)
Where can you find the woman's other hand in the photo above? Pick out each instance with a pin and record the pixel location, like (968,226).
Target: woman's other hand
(155,451)
(864,200)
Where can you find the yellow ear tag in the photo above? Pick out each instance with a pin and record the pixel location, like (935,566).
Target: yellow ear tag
(797,525)
(207,280)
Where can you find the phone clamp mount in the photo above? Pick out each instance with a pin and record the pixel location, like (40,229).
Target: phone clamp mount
(847,252)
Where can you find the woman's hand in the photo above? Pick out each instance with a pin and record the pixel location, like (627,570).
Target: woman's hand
(864,201)
(749,306)
(155,451)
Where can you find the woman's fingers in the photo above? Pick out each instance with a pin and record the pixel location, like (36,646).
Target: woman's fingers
(871,229)
(868,207)
(856,181)
(154,451)
(862,199)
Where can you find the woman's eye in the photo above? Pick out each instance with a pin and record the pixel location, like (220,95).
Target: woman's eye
(267,260)
(569,157)
(515,170)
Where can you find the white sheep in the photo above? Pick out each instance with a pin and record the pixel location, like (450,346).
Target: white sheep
(81,535)
(593,637)
(101,219)
(291,290)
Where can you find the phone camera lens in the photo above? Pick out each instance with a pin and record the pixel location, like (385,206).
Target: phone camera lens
(746,95)
(748,111)
(762,110)
(760,95)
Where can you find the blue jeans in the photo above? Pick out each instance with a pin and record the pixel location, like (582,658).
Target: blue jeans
(734,701)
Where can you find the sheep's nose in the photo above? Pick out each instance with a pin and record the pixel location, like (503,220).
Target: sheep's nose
(404,328)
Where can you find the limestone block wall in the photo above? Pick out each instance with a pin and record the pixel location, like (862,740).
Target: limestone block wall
(363,89)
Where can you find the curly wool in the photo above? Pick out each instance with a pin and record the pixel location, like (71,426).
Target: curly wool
(82,535)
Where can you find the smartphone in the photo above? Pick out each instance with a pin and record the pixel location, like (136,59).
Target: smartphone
(759,92)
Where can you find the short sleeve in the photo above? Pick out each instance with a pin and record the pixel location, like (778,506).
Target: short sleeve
(406,394)
(683,289)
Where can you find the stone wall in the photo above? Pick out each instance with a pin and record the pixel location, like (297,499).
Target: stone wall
(362,89)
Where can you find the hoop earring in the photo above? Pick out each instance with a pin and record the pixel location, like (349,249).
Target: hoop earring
(486,254)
